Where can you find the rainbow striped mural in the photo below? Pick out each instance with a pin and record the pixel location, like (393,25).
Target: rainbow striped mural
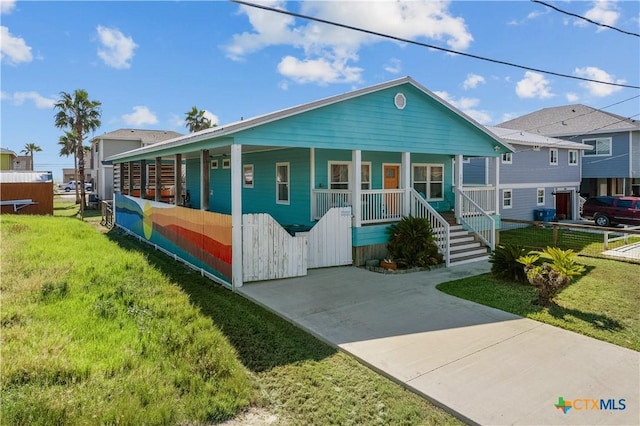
(199,237)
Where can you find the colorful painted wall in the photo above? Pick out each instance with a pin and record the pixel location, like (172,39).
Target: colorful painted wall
(199,237)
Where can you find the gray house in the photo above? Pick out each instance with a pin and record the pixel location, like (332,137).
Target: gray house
(612,167)
(116,142)
(542,172)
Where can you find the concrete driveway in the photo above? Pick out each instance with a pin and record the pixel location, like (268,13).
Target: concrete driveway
(483,365)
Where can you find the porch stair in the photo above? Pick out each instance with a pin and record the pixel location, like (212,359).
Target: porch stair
(464,247)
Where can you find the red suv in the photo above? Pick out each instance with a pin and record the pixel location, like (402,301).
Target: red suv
(607,210)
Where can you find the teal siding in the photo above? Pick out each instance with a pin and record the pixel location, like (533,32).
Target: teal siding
(220,187)
(372,122)
(370,235)
(192,181)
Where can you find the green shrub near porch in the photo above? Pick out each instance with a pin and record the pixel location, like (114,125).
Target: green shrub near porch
(411,243)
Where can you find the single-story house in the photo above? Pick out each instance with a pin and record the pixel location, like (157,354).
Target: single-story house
(335,172)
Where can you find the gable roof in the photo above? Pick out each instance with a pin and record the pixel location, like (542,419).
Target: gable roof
(571,120)
(242,125)
(144,136)
(520,137)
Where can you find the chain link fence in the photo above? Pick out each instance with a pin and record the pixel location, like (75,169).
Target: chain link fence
(586,240)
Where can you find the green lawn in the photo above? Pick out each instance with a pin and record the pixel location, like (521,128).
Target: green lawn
(603,303)
(98,328)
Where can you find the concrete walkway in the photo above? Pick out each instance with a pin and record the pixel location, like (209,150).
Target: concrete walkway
(484,365)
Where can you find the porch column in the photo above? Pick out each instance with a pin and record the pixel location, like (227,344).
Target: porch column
(497,184)
(130,168)
(405,182)
(356,203)
(458,185)
(236,216)
(177,190)
(143,178)
(204,176)
(312,181)
(158,179)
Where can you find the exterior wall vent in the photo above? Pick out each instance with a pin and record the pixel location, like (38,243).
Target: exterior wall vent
(536,147)
(400,101)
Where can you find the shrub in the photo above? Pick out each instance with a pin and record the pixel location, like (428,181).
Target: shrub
(504,262)
(411,243)
(556,271)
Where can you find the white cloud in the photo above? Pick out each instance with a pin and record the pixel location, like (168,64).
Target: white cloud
(335,49)
(13,49)
(598,89)
(533,85)
(572,97)
(176,121)
(141,116)
(393,66)
(603,12)
(472,81)
(117,49)
(7,6)
(19,98)
(212,117)
(467,105)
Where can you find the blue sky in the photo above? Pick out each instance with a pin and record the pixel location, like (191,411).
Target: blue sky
(150,62)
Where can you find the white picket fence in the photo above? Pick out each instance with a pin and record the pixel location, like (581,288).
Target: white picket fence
(330,239)
(269,252)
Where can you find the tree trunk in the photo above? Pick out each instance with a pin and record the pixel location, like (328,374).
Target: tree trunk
(75,176)
(81,183)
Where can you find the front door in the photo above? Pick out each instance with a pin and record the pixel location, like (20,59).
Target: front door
(391,174)
(563,205)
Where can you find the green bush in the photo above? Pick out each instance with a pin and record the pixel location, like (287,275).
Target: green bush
(504,262)
(411,243)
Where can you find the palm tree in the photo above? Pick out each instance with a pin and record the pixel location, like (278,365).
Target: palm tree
(196,120)
(69,146)
(29,149)
(78,113)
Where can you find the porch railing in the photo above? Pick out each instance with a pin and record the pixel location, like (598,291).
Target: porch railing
(325,199)
(439,226)
(382,205)
(475,219)
(483,196)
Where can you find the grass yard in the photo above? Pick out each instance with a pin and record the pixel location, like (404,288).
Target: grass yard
(603,303)
(99,328)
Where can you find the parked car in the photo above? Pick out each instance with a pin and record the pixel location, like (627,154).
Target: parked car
(607,210)
(71,186)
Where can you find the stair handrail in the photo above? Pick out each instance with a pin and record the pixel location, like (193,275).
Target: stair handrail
(489,239)
(439,225)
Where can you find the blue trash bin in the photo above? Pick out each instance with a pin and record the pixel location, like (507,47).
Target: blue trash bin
(544,214)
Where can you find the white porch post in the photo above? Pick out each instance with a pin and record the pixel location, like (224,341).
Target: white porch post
(356,203)
(204,179)
(312,181)
(405,182)
(497,184)
(458,185)
(236,215)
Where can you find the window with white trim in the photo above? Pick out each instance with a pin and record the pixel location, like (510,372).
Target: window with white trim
(282,183)
(573,157)
(553,156)
(339,173)
(428,180)
(601,146)
(540,196)
(507,158)
(365,175)
(507,198)
(226,163)
(247,176)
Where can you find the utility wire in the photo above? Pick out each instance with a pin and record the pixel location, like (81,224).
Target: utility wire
(585,19)
(431,46)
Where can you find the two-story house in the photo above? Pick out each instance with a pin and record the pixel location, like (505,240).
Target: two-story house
(612,167)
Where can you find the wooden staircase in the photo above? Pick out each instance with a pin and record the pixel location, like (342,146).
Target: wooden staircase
(464,247)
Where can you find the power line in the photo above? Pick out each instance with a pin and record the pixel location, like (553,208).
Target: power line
(431,46)
(585,19)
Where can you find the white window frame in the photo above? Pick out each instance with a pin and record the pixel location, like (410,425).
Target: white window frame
(287,183)
(245,183)
(214,164)
(428,182)
(505,198)
(553,159)
(330,184)
(506,158)
(594,152)
(226,163)
(540,195)
(575,154)
(362,181)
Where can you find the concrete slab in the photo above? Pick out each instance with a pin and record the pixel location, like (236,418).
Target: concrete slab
(484,365)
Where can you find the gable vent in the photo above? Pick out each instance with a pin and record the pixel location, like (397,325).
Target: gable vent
(400,101)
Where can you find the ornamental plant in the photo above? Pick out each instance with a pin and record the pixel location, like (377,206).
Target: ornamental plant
(504,262)
(411,243)
(549,271)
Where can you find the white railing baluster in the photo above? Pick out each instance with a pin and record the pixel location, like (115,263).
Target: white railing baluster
(477,220)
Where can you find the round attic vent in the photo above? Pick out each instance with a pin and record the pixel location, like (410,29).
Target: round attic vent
(400,101)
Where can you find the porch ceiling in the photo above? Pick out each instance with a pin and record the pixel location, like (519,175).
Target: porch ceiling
(225,151)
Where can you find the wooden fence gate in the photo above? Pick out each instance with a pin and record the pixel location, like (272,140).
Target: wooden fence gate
(330,239)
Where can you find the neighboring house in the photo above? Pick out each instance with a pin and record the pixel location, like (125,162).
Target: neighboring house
(6,159)
(22,162)
(542,172)
(612,167)
(335,172)
(70,174)
(116,142)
